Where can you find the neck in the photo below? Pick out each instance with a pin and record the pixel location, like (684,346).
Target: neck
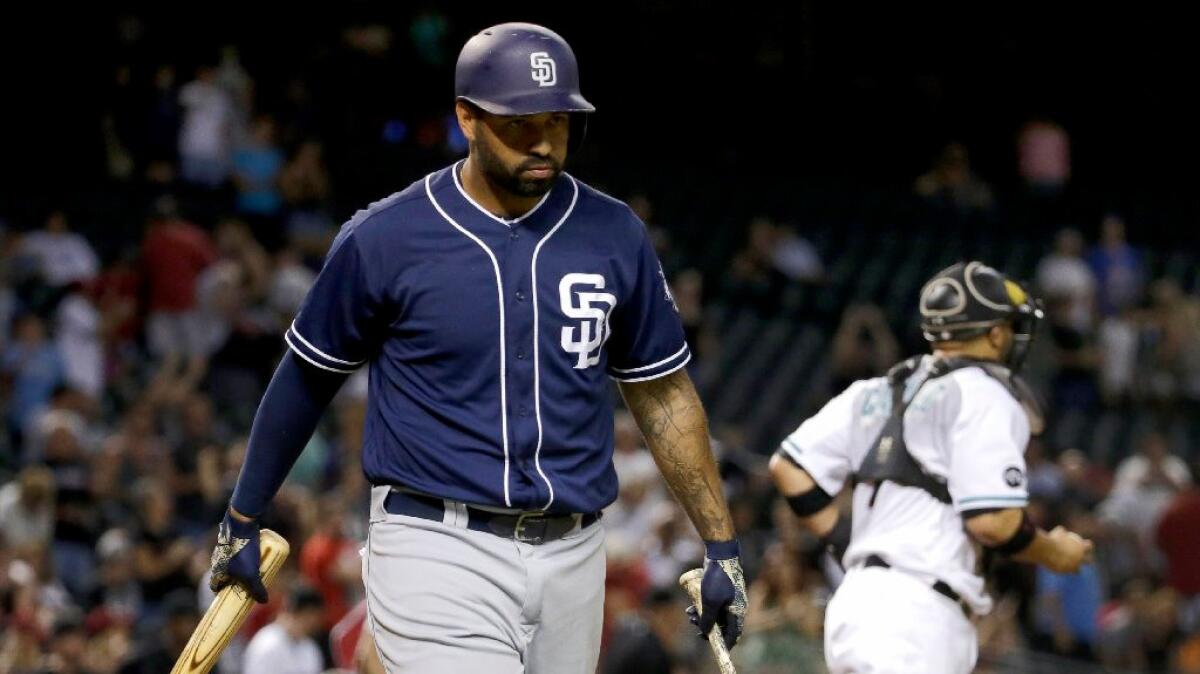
(291,626)
(492,197)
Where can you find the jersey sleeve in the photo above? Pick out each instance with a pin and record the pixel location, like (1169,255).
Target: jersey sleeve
(647,339)
(340,322)
(987,440)
(823,444)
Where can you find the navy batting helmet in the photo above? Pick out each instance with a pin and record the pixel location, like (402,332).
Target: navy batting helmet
(519,69)
(965,300)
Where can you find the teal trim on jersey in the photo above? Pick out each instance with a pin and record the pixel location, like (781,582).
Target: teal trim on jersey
(974,499)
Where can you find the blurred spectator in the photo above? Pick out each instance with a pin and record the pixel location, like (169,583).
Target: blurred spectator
(239,89)
(1066,281)
(785,616)
(1045,477)
(162,119)
(1075,360)
(754,281)
(287,644)
(1138,628)
(1152,469)
(27,509)
(196,457)
(68,649)
(159,648)
(161,556)
(1044,156)
(863,346)
(643,640)
(1144,485)
(796,257)
(34,369)
(1175,319)
(1178,538)
(174,253)
(206,134)
(1117,267)
(61,257)
(1066,610)
(77,337)
(256,167)
(117,594)
(304,184)
(330,562)
(951,183)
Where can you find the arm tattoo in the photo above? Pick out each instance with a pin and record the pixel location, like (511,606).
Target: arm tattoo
(669,412)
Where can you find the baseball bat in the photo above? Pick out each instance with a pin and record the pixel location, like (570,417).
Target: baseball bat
(225,615)
(690,582)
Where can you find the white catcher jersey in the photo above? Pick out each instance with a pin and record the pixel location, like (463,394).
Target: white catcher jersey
(964,427)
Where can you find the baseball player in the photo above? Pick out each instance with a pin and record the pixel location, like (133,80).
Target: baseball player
(492,301)
(934,452)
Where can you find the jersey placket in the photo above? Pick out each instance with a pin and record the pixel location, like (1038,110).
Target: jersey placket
(527,487)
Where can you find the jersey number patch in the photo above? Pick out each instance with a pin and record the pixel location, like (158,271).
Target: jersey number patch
(592,308)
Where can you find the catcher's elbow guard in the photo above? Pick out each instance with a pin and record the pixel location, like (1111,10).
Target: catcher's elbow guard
(1021,539)
(810,502)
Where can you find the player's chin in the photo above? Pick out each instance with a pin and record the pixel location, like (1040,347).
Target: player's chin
(528,186)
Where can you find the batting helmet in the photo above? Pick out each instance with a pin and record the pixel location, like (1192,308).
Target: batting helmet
(965,300)
(519,69)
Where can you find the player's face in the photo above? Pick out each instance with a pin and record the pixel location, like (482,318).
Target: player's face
(1001,338)
(523,154)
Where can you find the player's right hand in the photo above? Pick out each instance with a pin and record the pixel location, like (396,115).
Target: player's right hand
(1073,550)
(236,558)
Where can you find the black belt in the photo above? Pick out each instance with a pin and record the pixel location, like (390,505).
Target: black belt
(533,527)
(940,586)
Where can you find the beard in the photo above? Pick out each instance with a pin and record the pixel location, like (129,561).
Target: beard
(512,181)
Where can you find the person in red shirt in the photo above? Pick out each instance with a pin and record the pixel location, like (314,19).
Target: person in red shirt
(330,561)
(174,253)
(1178,537)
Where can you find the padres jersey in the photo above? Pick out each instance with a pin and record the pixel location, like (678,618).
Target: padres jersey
(491,342)
(964,427)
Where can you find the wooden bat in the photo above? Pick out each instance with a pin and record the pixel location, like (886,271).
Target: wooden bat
(225,615)
(690,582)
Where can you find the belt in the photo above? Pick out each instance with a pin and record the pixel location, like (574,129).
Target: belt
(532,527)
(940,586)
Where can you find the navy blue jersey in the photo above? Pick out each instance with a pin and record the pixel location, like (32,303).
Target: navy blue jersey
(491,342)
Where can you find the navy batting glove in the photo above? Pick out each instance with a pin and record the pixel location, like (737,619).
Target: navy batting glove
(722,592)
(236,558)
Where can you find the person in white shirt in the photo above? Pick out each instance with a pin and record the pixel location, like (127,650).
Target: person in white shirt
(60,256)
(286,646)
(935,454)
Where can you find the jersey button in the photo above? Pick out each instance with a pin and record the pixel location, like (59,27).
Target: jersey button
(522,411)
(520,355)
(514,235)
(520,296)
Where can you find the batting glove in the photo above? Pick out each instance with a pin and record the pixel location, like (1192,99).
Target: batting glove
(236,558)
(722,593)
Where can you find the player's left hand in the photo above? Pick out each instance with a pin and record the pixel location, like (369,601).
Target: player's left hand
(236,558)
(722,593)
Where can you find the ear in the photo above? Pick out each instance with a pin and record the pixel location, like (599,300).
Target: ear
(467,117)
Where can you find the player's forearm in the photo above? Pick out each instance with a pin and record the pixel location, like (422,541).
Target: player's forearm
(1043,551)
(669,412)
(290,409)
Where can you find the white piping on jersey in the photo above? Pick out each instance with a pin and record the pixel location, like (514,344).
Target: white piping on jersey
(537,383)
(653,365)
(312,362)
(500,304)
(321,353)
(656,376)
(506,223)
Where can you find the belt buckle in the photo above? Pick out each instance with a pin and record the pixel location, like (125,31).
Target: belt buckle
(526,519)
